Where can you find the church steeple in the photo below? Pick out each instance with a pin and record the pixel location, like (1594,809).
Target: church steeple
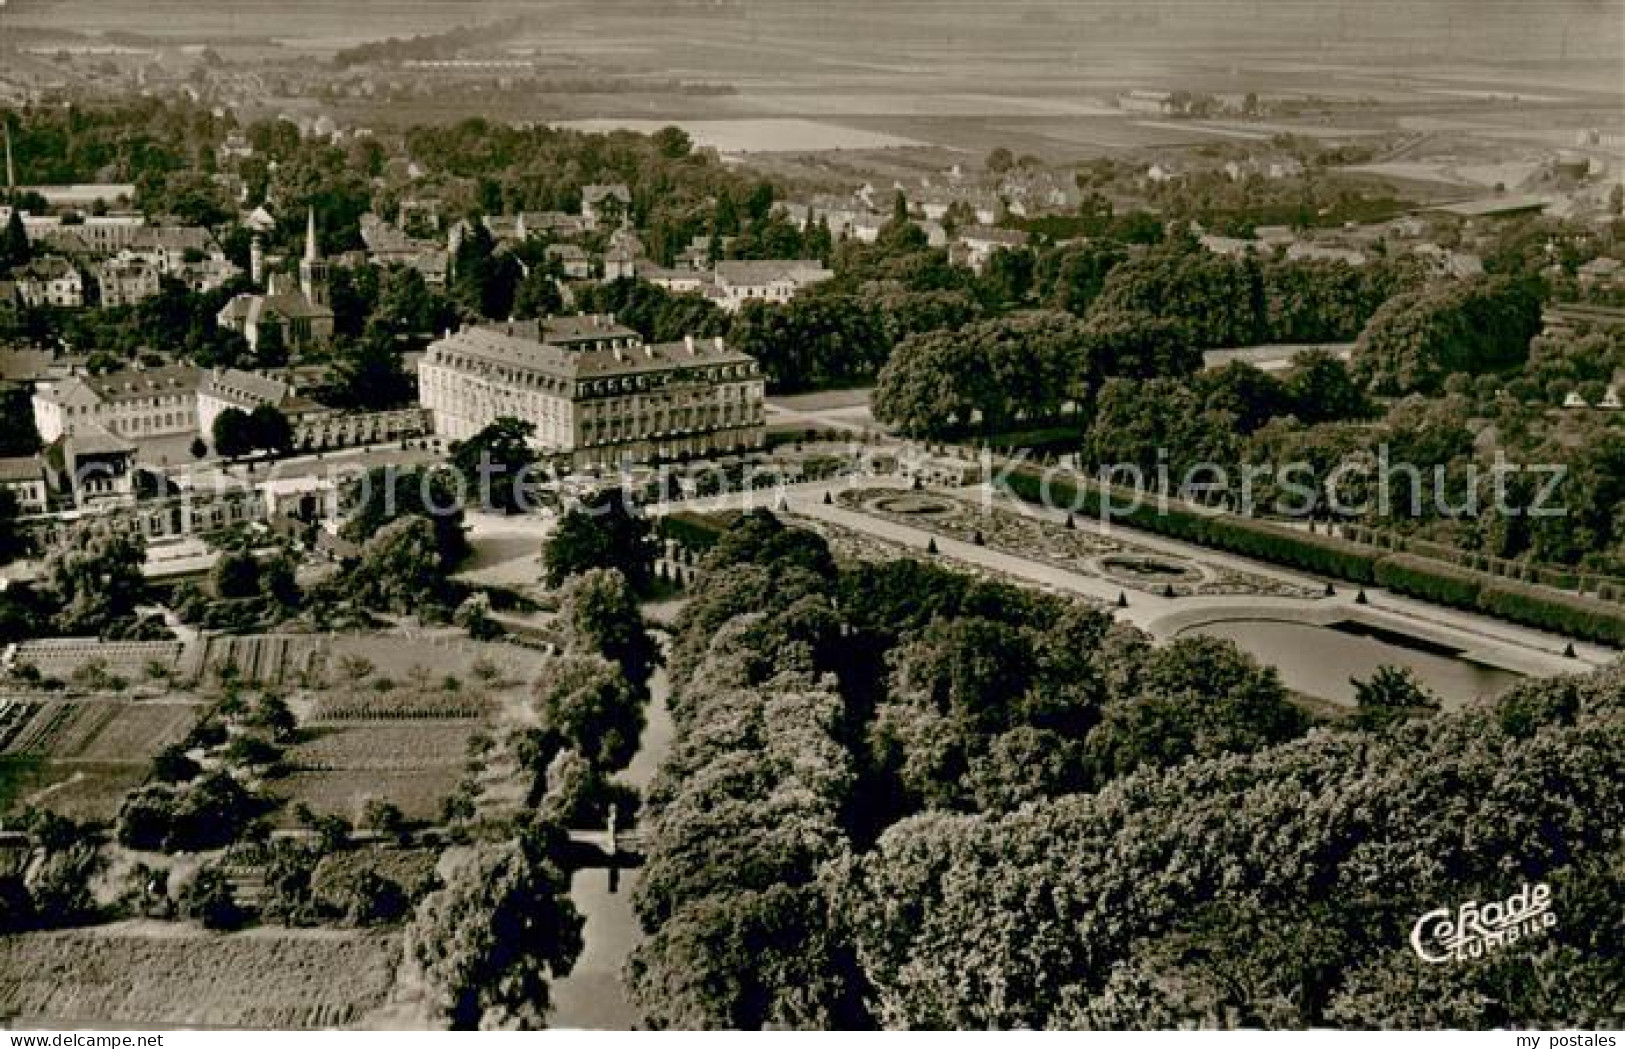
(312,270)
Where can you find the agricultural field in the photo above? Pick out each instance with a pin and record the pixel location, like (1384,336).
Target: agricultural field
(139,974)
(79,758)
(381,746)
(414,764)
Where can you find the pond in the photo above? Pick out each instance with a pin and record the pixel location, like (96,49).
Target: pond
(591,997)
(1320,660)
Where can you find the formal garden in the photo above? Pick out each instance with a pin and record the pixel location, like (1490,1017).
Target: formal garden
(1073,545)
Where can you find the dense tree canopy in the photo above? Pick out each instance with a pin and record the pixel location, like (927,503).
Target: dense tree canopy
(1417,340)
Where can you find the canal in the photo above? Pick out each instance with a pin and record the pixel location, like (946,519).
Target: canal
(592,996)
(1321,661)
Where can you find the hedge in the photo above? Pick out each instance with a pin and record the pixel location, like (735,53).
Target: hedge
(1439,582)
(1560,613)
(1436,581)
(694,531)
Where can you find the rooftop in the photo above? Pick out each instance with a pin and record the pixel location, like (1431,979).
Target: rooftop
(768,271)
(496,347)
(21,468)
(130,385)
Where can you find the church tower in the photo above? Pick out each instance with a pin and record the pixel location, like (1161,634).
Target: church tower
(312,269)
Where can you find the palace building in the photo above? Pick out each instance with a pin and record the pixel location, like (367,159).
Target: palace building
(595,390)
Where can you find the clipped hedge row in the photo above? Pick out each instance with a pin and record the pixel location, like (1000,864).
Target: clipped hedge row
(1438,582)
(1435,581)
(1566,614)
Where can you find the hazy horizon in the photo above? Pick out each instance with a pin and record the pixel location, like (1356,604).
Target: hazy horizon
(1516,33)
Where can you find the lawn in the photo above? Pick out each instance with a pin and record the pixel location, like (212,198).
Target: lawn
(418,794)
(149,975)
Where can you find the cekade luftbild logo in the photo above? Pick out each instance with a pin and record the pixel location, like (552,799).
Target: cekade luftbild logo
(1475,928)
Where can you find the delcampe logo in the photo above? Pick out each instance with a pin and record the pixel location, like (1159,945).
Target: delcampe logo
(1475,929)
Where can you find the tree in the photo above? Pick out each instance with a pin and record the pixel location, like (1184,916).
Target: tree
(589,703)
(1391,695)
(483,278)
(270,345)
(995,372)
(1250,395)
(673,142)
(538,294)
(385,494)
(497,464)
(14,247)
(1325,847)
(13,542)
(999,161)
(370,373)
(493,938)
(93,578)
(1071,277)
(269,430)
(236,575)
(1417,339)
(602,531)
(1322,389)
(233,433)
(811,342)
(401,569)
(199,448)
(600,611)
(208,899)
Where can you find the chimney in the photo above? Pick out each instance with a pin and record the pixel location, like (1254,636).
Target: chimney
(688,342)
(717,342)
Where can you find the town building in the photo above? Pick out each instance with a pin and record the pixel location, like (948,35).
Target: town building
(302,315)
(601,204)
(224,388)
(595,391)
(1159,103)
(24,477)
(153,402)
(1602,272)
(50,281)
(978,243)
(676,281)
(768,280)
(89,464)
(125,282)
